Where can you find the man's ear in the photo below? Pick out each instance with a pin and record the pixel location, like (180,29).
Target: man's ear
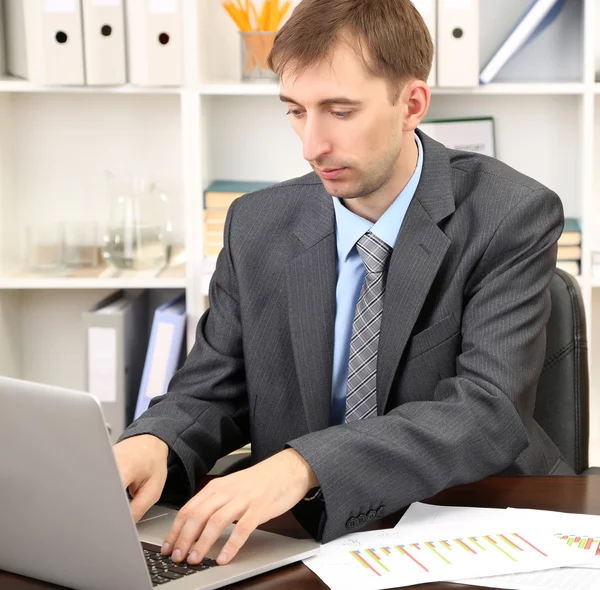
(416,95)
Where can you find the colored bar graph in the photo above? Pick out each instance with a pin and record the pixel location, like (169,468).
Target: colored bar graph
(581,542)
(465,546)
(435,556)
(510,543)
(374,556)
(495,544)
(474,539)
(532,546)
(432,547)
(405,552)
(361,560)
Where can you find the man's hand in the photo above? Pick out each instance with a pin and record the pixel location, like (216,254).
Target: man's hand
(252,496)
(142,462)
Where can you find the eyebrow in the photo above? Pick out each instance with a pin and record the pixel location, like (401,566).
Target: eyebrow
(341,100)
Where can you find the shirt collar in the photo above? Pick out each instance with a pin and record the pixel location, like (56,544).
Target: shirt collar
(350,227)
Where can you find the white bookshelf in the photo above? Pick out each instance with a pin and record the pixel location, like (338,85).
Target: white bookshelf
(56,142)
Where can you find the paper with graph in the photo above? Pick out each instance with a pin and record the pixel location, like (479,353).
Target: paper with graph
(579,532)
(415,555)
(582,536)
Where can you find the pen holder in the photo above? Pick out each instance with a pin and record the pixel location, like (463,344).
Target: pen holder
(255,49)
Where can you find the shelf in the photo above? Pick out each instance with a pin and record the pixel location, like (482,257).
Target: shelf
(232,88)
(506,89)
(237,88)
(12,84)
(97,278)
(66,283)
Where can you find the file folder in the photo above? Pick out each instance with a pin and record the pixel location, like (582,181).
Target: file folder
(165,352)
(154,42)
(104,42)
(44,41)
(116,339)
(458,43)
(536,18)
(428,10)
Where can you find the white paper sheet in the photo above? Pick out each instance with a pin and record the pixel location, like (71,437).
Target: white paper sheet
(425,514)
(391,558)
(566,578)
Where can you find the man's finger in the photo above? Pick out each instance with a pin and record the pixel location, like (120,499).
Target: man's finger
(242,530)
(216,524)
(145,497)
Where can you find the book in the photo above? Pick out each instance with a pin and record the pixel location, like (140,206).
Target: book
(471,134)
(221,193)
(537,17)
(571,235)
(569,253)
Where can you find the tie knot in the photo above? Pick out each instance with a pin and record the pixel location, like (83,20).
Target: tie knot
(373,251)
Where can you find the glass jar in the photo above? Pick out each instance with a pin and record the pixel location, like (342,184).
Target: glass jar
(136,234)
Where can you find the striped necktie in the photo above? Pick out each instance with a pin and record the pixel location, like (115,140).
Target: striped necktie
(361,398)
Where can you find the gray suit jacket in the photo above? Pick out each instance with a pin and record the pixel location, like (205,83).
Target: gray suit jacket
(460,352)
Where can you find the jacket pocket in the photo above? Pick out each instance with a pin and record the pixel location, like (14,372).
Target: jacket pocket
(433,336)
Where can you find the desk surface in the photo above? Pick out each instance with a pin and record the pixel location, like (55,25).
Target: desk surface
(567,494)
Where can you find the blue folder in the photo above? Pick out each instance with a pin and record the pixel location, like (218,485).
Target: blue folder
(164,352)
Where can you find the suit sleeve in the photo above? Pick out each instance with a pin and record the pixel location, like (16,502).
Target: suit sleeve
(204,415)
(473,425)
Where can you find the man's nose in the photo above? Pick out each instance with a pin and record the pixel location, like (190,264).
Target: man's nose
(314,143)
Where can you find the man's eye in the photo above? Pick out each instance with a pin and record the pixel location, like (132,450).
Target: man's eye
(341,114)
(294,112)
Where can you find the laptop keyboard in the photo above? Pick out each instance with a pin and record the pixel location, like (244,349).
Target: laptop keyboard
(163,570)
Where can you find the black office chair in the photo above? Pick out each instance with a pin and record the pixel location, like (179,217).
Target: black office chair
(562,402)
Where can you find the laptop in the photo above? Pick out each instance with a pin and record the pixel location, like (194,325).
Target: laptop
(64,512)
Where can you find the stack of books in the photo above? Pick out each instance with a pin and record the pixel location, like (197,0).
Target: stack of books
(217,200)
(569,247)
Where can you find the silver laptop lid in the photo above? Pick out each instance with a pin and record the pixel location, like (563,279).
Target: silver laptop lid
(49,437)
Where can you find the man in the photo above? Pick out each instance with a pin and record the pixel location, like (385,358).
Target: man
(377,328)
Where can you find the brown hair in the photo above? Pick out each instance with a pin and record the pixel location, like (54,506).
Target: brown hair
(390,37)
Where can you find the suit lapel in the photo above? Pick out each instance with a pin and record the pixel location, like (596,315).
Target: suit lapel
(419,251)
(311,282)
(416,259)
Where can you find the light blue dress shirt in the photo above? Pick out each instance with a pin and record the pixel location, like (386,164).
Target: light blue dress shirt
(349,228)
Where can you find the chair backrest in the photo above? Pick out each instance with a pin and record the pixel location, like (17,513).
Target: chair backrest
(562,402)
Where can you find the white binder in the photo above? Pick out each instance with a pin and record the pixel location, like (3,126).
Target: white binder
(458,43)
(44,41)
(154,42)
(104,42)
(428,10)
(116,339)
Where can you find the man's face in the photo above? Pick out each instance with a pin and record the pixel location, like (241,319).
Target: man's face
(351,133)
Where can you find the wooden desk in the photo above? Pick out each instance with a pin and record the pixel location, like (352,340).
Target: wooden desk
(567,494)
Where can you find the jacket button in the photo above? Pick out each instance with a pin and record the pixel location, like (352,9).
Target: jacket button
(371,515)
(352,523)
(362,519)
(380,511)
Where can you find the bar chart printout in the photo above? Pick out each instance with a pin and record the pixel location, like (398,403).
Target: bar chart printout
(384,559)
